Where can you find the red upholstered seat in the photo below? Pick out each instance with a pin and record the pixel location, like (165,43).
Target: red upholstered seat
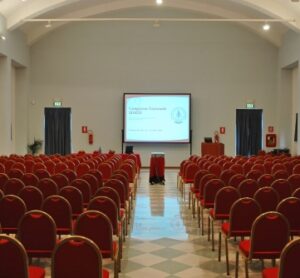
(271,272)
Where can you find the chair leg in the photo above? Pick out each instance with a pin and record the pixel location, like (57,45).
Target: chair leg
(198,213)
(190,199)
(219,247)
(202,219)
(237,264)
(246,268)
(227,255)
(208,228)
(193,205)
(212,235)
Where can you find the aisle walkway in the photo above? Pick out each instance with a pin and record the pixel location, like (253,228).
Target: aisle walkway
(165,240)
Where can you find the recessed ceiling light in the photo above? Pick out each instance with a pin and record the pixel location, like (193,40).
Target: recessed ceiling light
(266,27)
(159,2)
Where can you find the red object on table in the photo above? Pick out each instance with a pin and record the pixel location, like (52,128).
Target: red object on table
(212,149)
(157,168)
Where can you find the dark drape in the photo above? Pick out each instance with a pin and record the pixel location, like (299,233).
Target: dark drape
(57,131)
(248,131)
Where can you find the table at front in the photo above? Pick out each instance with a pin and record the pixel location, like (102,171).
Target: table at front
(157,168)
(212,149)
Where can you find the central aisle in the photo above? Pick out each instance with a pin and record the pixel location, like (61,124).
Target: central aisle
(164,239)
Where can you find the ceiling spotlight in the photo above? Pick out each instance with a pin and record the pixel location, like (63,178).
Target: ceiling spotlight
(48,25)
(3,37)
(266,27)
(159,2)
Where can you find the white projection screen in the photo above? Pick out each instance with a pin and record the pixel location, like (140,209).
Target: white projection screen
(156,118)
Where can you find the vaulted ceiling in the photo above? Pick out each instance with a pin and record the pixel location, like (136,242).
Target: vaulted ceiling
(20,13)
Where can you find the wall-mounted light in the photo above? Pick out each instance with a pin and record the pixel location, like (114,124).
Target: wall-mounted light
(159,2)
(3,37)
(266,27)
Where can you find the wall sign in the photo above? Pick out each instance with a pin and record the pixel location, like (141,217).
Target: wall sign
(222,130)
(84,129)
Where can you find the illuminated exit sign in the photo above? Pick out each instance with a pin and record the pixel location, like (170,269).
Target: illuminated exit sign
(57,103)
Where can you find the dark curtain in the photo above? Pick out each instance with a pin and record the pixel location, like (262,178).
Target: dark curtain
(57,131)
(248,131)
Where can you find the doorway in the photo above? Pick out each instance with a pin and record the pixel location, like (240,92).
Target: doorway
(248,131)
(57,131)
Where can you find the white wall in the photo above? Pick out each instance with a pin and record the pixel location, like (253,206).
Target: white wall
(14,56)
(90,65)
(288,94)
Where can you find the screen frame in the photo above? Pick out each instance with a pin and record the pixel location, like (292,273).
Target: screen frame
(189,95)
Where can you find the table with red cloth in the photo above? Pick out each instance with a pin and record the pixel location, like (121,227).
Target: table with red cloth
(157,168)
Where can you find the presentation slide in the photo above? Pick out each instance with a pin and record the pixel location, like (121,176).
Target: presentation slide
(163,118)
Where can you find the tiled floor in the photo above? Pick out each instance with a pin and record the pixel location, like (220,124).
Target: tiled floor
(164,240)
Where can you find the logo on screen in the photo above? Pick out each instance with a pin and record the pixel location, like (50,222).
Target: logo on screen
(178,115)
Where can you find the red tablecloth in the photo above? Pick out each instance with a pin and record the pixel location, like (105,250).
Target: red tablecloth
(157,168)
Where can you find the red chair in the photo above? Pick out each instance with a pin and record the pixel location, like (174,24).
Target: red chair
(2,168)
(84,188)
(236,180)
(42,173)
(60,210)
(110,209)
(215,169)
(13,186)
(282,187)
(37,232)
(71,165)
(243,212)
(48,187)
(50,166)
(264,243)
(12,208)
(14,261)
(114,195)
(92,181)
(296,169)
(60,167)
(61,180)
(97,227)
(29,166)
(3,179)
(70,174)
(288,264)
(277,167)
(30,179)
(267,197)
(238,168)
(32,197)
(8,164)
(247,167)
(226,175)
(15,173)
(131,172)
(268,167)
(248,187)
(294,181)
(290,208)
(97,174)
(106,170)
(209,193)
(82,168)
(281,174)
(120,188)
(75,199)
(224,199)
(254,174)
(194,189)
(80,252)
(265,180)
(38,166)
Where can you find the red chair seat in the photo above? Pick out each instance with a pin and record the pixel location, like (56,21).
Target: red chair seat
(271,272)
(36,272)
(226,228)
(245,247)
(105,273)
(207,204)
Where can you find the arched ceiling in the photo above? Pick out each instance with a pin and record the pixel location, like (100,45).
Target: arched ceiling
(18,12)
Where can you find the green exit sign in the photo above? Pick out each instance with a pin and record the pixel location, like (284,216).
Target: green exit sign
(250,105)
(57,103)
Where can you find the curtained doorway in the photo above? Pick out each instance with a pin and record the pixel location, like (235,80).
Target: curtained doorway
(57,131)
(248,131)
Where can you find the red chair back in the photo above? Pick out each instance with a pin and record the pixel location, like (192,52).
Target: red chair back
(30,179)
(282,187)
(13,186)
(32,197)
(267,197)
(265,180)
(75,199)
(248,187)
